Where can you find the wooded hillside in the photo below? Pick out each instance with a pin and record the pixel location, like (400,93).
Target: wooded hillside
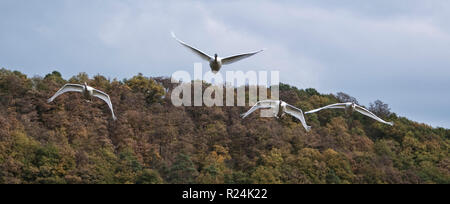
(73,141)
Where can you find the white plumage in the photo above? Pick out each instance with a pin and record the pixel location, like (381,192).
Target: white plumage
(279,109)
(350,107)
(216,62)
(87,91)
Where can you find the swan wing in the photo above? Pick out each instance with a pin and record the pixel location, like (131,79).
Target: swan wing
(260,105)
(235,58)
(67,88)
(336,105)
(297,113)
(193,49)
(366,112)
(104,97)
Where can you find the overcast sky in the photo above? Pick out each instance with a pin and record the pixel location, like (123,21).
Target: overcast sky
(395,51)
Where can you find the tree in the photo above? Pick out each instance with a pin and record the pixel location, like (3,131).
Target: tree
(343,98)
(152,90)
(182,170)
(214,168)
(128,167)
(311,91)
(270,170)
(80,78)
(149,176)
(55,76)
(379,108)
(72,141)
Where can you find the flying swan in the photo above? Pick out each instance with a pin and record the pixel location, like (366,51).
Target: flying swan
(279,109)
(87,91)
(350,108)
(216,62)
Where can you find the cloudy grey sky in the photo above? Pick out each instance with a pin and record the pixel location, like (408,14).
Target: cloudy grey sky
(397,51)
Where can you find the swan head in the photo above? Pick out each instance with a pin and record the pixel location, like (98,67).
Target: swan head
(353,105)
(349,108)
(215,57)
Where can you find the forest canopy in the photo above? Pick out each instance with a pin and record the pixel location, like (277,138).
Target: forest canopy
(152,142)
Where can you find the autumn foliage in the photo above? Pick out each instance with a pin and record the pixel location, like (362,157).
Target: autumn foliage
(73,141)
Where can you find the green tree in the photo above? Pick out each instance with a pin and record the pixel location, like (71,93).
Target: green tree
(149,176)
(152,90)
(182,170)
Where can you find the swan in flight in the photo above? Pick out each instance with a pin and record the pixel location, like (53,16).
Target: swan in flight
(216,62)
(87,91)
(279,109)
(349,108)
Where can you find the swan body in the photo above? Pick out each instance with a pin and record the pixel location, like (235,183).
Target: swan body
(216,62)
(88,93)
(279,109)
(350,107)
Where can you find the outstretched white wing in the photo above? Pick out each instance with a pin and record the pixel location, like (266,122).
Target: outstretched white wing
(297,113)
(370,114)
(105,97)
(67,88)
(193,49)
(337,105)
(235,58)
(266,104)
